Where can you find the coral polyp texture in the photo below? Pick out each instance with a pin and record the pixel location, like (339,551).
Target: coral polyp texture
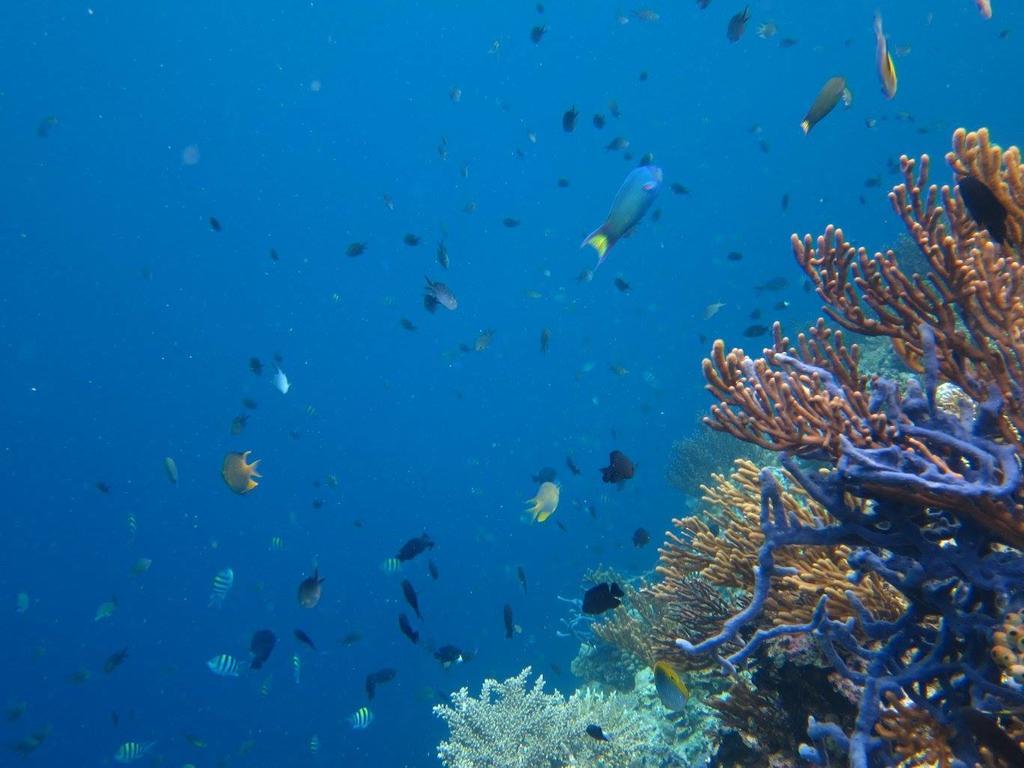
(901,556)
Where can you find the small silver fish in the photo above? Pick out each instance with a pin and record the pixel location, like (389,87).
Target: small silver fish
(439,293)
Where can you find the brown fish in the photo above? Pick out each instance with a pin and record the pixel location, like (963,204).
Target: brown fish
(824,102)
(310,590)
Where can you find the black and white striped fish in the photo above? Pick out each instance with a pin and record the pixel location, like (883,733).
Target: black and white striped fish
(224,665)
(222,584)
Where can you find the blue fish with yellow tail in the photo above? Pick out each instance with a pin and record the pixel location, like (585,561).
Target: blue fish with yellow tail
(634,197)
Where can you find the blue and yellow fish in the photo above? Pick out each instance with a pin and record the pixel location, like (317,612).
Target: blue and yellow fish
(224,665)
(632,201)
(672,691)
(883,60)
(361,718)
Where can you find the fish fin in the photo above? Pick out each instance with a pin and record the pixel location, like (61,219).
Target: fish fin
(599,241)
(806,126)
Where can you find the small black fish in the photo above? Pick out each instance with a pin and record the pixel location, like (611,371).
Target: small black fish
(510,222)
(545,341)
(414,547)
(775,284)
(601,598)
(545,475)
(273,255)
(238,423)
(411,598)
(788,42)
(521,575)
(734,256)
(984,207)
(358,249)
(596,732)
(737,24)
(755,314)
(563,183)
(407,324)
(374,679)
(537,33)
(303,638)
(407,630)
(260,646)
(45,125)
(510,624)
(448,655)
(598,121)
(752,331)
(620,468)
(310,590)
(215,224)
(785,202)
(442,255)
(622,285)
(115,660)
(248,402)
(569,119)
(351,638)
(641,538)
(102,487)
(561,526)
(255,365)
(572,465)
(410,239)
(642,77)
(432,570)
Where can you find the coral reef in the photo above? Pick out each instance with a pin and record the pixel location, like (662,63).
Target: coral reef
(513,725)
(923,505)
(693,459)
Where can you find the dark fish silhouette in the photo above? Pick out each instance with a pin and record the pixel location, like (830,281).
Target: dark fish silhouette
(641,538)
(569,119)
(410,239)
(753,331)
(521,574)
(620,468)
(310,590)
(374,679)
(260,646)
(303,638)
(407,630)
(622,285)
(545,475)
(572,465)
(537,33)
(215,224)
(737,24)
(414,547)
(603,597)
(984,207)
(734,256)
(510,624)
(598,120)
(448,655)
(545,340)
(355,249)
(255,365)
(432,570)
(115,660)
(596,732)
(411,598)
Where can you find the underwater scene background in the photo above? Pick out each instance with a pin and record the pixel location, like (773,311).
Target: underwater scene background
(190,186)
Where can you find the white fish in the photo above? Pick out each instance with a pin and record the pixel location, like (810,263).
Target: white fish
(280,381)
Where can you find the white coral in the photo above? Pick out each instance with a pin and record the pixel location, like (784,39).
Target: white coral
(514,727)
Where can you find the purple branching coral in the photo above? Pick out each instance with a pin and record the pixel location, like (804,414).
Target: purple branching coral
(929,502)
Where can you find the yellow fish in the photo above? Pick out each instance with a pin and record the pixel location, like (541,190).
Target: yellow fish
(543,505)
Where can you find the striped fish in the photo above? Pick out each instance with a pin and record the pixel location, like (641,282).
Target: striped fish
(314,743)
(224,665)
(222,583)
(296,668)
(361,718)
(391,565)
(131,751)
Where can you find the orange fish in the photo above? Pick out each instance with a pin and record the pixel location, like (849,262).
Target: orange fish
(239,474)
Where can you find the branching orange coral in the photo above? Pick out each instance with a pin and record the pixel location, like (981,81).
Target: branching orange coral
(728,559)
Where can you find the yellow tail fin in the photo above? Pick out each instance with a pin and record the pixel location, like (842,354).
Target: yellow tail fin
(599,241)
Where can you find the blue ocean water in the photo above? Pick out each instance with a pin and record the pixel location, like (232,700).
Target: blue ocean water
(127,325)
